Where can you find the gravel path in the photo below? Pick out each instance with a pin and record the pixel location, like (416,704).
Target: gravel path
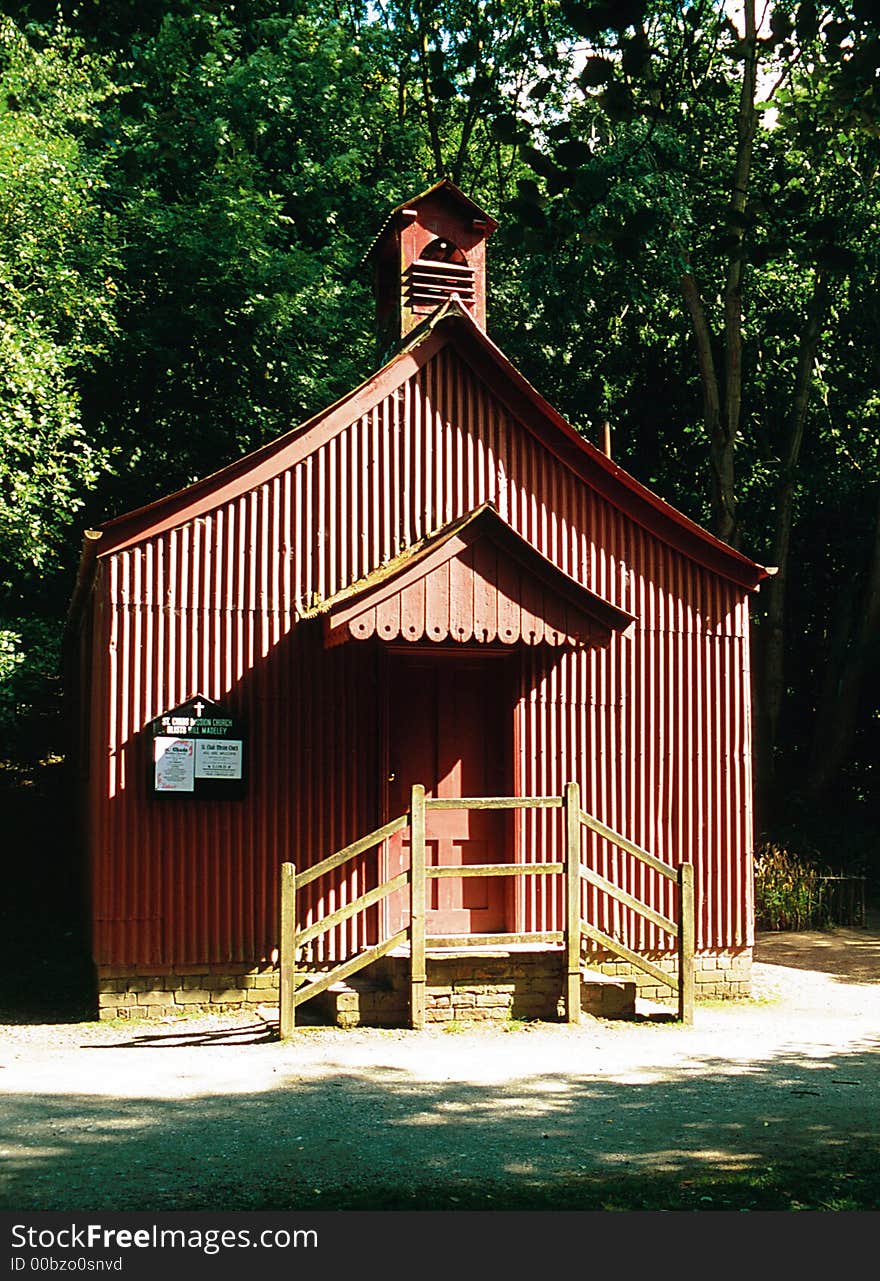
(214,1113)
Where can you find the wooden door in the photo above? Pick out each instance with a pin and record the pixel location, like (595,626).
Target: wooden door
(449,726)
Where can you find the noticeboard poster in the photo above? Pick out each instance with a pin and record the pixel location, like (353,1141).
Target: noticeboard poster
(174,760)
(198,750)
(219,759)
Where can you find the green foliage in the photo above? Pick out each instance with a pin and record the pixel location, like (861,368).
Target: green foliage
(249,155)
(30,691)
(186,193)
(789,891)
(57,294)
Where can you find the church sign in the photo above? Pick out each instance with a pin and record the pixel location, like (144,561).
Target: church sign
(198,750)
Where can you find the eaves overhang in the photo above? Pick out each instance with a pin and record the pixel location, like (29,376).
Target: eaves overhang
(475,580)
(450,325)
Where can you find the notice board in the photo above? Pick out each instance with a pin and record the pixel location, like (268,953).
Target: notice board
(198,750)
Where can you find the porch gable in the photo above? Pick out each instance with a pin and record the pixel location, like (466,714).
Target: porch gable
(475,580)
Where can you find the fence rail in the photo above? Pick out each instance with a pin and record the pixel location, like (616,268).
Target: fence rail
(419,873)
(844,898)
(291,938)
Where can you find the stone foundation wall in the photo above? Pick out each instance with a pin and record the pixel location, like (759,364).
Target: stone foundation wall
(506,986)
(722,974)
(503,985)
(126,992)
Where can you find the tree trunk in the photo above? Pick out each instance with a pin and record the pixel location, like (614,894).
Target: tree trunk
(723,445)
(705,359)
(772,683)
(430,117)
(722,402)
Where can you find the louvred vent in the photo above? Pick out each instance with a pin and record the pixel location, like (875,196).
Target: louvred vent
(430,283)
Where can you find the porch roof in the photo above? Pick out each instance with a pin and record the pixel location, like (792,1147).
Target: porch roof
(476,580)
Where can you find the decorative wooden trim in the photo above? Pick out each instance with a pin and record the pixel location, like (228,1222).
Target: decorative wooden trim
(485,549)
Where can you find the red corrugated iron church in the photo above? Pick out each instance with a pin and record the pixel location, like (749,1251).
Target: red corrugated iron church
(435,582)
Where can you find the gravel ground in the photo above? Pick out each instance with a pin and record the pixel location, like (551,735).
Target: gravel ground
(215,1113)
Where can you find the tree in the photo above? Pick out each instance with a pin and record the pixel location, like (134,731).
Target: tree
(57,299)
(730,163)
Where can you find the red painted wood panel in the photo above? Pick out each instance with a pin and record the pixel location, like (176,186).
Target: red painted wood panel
(450,726)
(656,726)
(460,601)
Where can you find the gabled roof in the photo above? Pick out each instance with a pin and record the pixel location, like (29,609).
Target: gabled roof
(447,188)
(450,325)
(542,604)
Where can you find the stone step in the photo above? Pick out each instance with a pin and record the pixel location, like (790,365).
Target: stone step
(608,997)
(359,1002)
(363,1002)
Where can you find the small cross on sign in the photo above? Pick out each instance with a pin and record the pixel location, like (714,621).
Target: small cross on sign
(198,707)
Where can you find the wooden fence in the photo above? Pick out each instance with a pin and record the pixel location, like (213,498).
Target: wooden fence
(297,988)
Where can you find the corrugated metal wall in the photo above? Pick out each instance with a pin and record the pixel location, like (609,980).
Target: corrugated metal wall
(655,726)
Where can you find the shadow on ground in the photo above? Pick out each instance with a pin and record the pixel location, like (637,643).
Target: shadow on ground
(792,1132)
(848,954)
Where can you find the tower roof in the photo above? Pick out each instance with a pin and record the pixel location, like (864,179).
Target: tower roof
(445,187)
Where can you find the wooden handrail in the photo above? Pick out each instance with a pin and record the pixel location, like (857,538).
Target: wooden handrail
(612,945)
(608,887)
(287,952)
(347,968)
(683,929)
(572,901)
(419,873)
(493,803)
(351,851)
(342,914)
(290,939)
(418,906)
(496,869)
(609,834)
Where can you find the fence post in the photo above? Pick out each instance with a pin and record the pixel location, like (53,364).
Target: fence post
(418,974)
(686,943)
(287,952)
(571,805)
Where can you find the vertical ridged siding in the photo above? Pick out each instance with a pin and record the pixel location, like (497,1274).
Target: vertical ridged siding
(655,726)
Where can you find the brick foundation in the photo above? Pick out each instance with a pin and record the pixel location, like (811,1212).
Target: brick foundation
(465,987)
(721,974)
(483,986)
(126,992)
(472,987)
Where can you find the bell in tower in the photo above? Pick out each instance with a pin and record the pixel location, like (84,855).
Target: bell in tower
(430,249)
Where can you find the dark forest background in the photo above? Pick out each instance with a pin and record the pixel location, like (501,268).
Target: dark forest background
(688,250)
